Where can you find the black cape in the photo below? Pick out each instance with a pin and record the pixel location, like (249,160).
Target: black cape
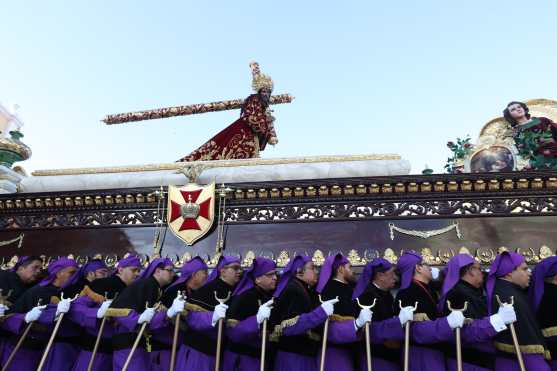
(10,281)
(384,309)
(528,332)
(346,307)
(422,294)
(108,287)
(462,293)
(547,318)
(296,299)
(30,298)
(204,300)
(242,307)
(140,294)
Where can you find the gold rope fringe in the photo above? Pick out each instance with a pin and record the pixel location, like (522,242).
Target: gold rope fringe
(525,349)
(420,317)
(117,312)
(277,332)
(549,331)
(92,295)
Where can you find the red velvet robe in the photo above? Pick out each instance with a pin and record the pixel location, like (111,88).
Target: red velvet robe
(242,139)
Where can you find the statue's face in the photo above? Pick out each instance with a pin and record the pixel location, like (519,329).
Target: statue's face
(516,111)
(265,95)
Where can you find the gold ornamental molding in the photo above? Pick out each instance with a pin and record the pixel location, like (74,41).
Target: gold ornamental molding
(484,255)
(215,164)
(430,185)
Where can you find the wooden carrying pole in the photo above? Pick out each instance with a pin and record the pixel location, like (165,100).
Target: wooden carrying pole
(219,333)
(407,338)
(457,335)
(513,334)
(368,336)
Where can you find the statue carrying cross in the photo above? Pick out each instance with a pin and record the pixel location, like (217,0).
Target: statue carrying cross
(244,138)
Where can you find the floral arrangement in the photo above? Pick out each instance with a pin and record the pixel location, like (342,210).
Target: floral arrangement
(460,150)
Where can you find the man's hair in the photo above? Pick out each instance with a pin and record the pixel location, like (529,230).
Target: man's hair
(30,260)
(507,113)
(466,269)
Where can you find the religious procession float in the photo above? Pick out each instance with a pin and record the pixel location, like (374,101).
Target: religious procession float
(498,195)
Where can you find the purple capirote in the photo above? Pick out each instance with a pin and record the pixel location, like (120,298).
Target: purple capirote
(376,265)
(405,267)
(328,268)
(156,263)
(91,266)
(259,267)
(290,271)
(452,275)
(188,269)
(55,267)
(504,263)
(547,268)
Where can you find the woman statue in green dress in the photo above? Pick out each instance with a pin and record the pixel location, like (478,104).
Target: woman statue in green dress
(535,137)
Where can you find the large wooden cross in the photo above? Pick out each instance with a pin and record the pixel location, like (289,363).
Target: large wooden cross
(192,109)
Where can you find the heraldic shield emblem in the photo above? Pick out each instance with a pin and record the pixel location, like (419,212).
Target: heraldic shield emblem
(191,211)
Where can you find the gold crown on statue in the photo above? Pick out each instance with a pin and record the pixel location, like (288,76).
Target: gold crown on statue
(259,80)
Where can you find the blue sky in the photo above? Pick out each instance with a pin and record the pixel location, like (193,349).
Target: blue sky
(368,76)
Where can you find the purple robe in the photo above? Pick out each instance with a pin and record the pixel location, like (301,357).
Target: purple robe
(288,361)
(141,359)
(381,332)
(476,336)
(199,345)
(245,332)
(386,330)
(84,312)
(189,358)
(426,335)
(243,351)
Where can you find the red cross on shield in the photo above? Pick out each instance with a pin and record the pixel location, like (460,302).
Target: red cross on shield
(191,211)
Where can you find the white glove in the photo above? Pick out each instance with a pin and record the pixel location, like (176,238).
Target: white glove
(329,306)
(63,306)
(264,311)
(103,308)
(455,319)
(219,313)
(34,313)
(364,317)
(3,309)
(146,316)
(177,306)
(434,273)
(406,314)
(507,314)
(497,322)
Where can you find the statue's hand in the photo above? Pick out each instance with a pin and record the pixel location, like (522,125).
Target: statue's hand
(273,141)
